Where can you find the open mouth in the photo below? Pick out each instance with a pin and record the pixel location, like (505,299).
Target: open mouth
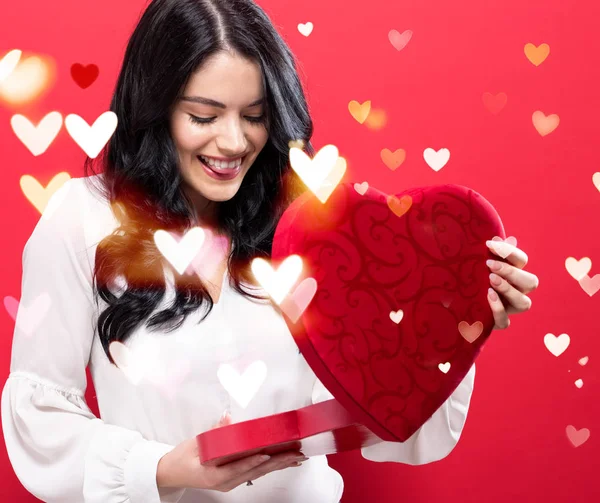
(219,173)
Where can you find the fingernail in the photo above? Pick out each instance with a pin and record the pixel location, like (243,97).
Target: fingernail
(492,294)
(492,264)
(495,279)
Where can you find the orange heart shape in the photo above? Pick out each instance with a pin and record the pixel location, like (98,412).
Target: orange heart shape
(470,332)
(537,55)
(393,159)
(399,206)
(360,112)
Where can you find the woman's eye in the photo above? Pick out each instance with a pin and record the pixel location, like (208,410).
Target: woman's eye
(207,120)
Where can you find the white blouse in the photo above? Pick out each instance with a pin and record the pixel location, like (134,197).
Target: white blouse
(176,385)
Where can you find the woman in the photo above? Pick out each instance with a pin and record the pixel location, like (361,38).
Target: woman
(201,80)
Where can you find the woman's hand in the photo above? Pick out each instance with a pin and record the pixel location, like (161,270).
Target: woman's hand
(181,467)
(510,281)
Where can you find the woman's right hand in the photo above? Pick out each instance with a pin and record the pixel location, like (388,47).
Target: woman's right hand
(181,467)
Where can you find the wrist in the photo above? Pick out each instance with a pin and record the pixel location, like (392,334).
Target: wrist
(163,472)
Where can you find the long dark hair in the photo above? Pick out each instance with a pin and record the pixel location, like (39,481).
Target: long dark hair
(141,177)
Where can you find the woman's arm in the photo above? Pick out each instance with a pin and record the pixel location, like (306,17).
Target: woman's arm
(59,450)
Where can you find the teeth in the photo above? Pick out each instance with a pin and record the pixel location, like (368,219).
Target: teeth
(221,164)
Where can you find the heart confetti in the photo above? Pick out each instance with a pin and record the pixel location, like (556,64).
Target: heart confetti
(444,367)
(544,124)
(323,173)
(557,345)
(181,254)
(501,248)
(27,80)
(396,316)
(393,159)
(596,180)
(296,303)
(399,206)
(84,76)
(470,332)
(537,55)
(277,283)
(9,62)
(591,286)
(359,111)
(578,269)
(244,387)
(305,29)
(584,360)
(399,40)
(91,139)
(494,104)
(38,138)
(39,196)
(577,437)
(436,160)
(30,317)
(579,383)
(361,188)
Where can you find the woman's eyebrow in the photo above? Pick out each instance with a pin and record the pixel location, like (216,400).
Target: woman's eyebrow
(213,103)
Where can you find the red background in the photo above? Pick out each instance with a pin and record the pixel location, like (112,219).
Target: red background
(514,446)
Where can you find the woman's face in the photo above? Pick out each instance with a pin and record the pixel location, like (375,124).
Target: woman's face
(225,94)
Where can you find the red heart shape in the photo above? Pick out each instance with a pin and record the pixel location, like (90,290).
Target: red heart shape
(367,262)
(84,76)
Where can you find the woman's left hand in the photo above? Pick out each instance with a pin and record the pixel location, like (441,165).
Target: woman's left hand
(510,281)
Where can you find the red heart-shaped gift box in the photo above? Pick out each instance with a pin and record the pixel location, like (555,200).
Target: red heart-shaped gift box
(398,319)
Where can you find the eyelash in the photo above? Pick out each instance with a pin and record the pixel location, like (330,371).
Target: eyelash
(252,120)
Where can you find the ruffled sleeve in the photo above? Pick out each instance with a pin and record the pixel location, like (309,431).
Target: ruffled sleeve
(58,449)
(431,442)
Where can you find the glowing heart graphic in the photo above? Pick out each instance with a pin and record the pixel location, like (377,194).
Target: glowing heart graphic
(38,138)
(39,196)
(359,111)
(501,248)
(596,180)
(537,55)
(511,240)
(181,254)
(376,119)
(544,125)
(591,286)
(212,253)
(244,387)
(84,76)
(393,159)
(9,62)
(494,104)
(399,206)
(305,29)
(396,316)
(577,437)
(169,381)
(470,332)
(28,318)
(584,360)
(92,139)
(361,188)
(323,173)
(579,383)
(277,283)
(436,160)
(399,40)
(444,367)
(27,80)
(296,303)
(139,363)
(557,345)
(578,269)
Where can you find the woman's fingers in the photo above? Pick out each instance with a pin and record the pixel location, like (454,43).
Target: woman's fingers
(517,301)
(501,320)
(512,254)
(522,280)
